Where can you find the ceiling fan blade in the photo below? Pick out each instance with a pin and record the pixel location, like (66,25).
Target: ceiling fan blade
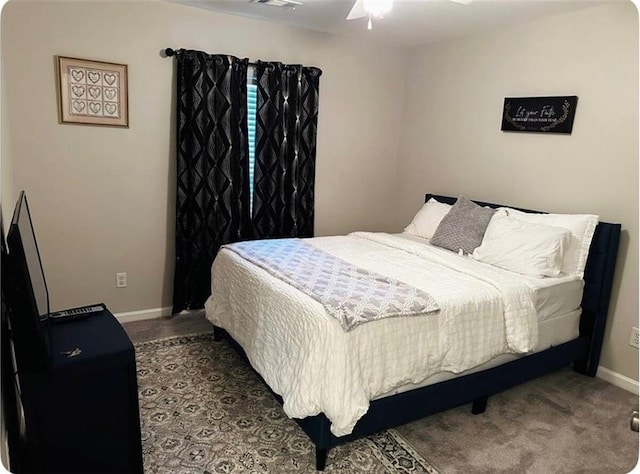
(357,11)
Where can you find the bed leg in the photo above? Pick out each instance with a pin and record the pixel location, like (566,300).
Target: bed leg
(479,405)
(585,367)
(217,334)
(321,458)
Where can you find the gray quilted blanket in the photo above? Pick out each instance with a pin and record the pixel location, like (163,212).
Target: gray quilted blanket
(350,294)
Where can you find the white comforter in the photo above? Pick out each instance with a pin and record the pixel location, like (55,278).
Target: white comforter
(306,357)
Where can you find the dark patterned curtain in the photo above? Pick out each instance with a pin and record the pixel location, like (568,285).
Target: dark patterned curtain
(285,155)
(212,205)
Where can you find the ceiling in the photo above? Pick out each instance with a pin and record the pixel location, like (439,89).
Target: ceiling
(410,22)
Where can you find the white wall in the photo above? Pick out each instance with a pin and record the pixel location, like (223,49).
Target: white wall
(8,194)
(452,143)
(103,198)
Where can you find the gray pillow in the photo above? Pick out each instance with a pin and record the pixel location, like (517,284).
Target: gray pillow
(463,227)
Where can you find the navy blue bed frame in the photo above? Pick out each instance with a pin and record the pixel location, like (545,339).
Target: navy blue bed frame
(582,353)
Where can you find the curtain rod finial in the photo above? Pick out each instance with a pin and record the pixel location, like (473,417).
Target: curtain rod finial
(167,52)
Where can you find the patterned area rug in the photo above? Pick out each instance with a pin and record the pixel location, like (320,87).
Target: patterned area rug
(204,410)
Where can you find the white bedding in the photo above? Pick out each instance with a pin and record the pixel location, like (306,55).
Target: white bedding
(306,357)
(552,332)
(551,296)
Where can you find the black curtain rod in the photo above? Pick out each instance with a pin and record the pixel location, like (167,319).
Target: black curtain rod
(172,52)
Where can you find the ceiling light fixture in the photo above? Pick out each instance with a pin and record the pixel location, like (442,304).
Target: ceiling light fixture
(371,9)
(376,9)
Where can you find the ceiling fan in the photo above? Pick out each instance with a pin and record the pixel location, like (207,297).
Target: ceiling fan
(376,9)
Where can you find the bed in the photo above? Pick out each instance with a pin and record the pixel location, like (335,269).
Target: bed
(339,384)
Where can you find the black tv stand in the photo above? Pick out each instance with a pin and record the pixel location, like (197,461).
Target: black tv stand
(82,414)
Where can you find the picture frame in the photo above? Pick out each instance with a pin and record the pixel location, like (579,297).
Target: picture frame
(93,92)
(539,114)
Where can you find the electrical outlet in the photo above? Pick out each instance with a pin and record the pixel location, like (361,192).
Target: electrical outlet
(121,280)
(635,338)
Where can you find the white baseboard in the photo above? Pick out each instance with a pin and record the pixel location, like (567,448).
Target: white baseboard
(143,314)
(617,379)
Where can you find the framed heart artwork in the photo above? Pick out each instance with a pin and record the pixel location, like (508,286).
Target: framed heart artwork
(93,92)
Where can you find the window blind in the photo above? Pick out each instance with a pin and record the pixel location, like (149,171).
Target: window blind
(252,101)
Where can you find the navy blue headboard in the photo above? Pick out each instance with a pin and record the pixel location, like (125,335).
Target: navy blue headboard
(598,280)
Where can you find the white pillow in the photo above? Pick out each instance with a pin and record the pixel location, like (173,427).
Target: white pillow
(427,220)
(530,249)
(582,227)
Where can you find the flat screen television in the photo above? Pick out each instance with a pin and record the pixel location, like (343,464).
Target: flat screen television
(27,294)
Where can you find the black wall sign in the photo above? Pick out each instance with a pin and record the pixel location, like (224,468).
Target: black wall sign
(539,114)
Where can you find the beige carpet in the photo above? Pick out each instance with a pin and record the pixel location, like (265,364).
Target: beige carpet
(560,423)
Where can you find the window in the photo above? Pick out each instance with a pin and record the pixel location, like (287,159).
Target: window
(252,101)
